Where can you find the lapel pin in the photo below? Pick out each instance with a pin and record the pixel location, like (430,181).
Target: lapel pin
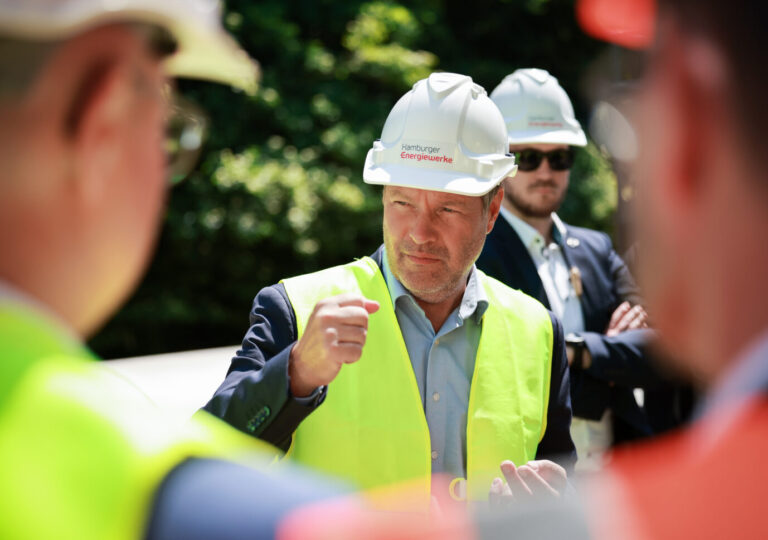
(575,276)
(572,242)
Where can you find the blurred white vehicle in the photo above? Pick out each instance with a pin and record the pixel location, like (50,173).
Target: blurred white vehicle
(179,383)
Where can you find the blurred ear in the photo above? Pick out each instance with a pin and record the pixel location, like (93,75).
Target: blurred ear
(494,208)
(96,124)
(694,75)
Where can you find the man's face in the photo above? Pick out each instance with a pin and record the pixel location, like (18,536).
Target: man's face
(668,262)
(433,239)
(540,192)
(124,223)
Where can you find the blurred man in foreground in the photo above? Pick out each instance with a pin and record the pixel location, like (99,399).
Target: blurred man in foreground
(83,110)
(703,222)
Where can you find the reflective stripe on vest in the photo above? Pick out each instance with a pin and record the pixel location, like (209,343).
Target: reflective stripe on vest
(81,450)
(371,429)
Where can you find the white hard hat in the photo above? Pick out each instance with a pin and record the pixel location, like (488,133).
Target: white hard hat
(537,110)
(443,135)
(204,51)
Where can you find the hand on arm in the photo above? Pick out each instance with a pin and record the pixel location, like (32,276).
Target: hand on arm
(335,335)
(626,317)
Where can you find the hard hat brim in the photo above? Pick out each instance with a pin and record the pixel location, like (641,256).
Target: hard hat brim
(457,182)
(212,56)
(205,50)
(548,137)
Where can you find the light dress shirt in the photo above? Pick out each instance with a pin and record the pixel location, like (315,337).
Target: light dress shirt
(443,363)
(591,437)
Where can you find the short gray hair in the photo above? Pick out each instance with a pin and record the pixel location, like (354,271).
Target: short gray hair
(488,197)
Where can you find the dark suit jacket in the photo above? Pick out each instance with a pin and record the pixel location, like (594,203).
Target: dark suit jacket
(255,396)
(618,363)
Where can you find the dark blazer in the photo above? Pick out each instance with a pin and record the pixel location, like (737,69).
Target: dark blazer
(255,396)
(618,363)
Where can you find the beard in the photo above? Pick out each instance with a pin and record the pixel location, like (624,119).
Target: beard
(533,209)
(433,285)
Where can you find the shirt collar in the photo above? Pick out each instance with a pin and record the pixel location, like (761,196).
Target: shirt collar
(559,232)
(528,234)
(473,303)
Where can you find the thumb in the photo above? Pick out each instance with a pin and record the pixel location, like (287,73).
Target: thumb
(371,306)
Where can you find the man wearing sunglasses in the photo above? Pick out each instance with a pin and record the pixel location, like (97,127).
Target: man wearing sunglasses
(573,271)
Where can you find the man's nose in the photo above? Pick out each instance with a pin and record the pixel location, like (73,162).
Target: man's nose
(544,170)
(423,228)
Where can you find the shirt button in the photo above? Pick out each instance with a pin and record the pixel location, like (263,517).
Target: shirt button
(435,397)
(437,341)
(434,454)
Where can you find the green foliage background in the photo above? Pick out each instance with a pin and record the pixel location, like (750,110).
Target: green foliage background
(278,190)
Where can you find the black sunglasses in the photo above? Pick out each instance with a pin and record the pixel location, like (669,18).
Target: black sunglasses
(529,159)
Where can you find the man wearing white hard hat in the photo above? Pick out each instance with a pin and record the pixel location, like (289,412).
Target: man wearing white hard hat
(412,362)
(571,270)
(83,109)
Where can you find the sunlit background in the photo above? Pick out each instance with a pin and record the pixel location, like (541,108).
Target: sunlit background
(278,190)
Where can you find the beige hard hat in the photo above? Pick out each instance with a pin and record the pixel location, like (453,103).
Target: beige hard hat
(205,50)
(445,135)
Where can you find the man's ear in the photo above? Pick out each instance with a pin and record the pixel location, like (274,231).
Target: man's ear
(695,74)
(494,208)
(95,125)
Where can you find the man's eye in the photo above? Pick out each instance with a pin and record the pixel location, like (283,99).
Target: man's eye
(400,203)
(449,210)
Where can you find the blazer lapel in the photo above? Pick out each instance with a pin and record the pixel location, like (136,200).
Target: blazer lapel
(522,272)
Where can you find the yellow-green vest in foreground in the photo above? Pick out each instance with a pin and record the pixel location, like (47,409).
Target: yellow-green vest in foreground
(81,450)
(371,429)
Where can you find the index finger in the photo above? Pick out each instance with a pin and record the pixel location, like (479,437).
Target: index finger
(354,299)
(516,484)
(352,316)
(632,315)
(535,482)
(640,320)
(618,314)
(552,473)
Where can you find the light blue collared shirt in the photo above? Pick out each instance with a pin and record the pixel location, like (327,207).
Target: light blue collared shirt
(443,363)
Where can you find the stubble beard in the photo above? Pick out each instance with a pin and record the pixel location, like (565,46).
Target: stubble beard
(434,286)
(532,210)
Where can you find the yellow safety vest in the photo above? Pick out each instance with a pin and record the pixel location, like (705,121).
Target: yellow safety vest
(81,450)
(371,429)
